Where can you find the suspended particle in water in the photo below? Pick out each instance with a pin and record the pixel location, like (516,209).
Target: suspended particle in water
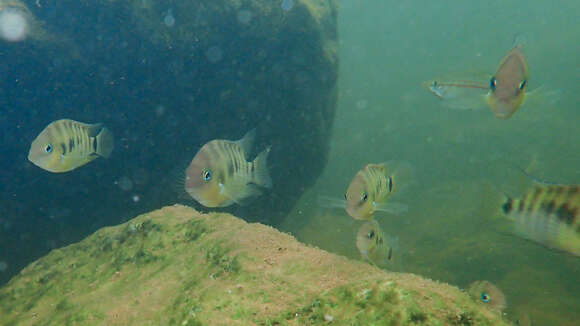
(3,266)
(287,5)
(13,25)
(362,104)
(136,198)
(159,110)
(245,16)
(169,20)
(124,183)
(214,54)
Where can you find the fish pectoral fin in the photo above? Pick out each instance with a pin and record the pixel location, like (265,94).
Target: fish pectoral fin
(392,208)
(241,192)
(331,202)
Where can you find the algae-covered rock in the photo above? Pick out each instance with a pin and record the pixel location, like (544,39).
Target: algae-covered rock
(175,266)
(165,77)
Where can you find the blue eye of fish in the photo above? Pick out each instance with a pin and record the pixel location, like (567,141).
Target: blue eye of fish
(48,148)
(523,84)
(492,83)
(371,234)
(485,297)
(206,175)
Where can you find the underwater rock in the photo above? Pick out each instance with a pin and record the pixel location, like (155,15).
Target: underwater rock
(165,77)
(176,266)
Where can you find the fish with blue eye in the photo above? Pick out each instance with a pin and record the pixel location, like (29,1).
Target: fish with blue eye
(489,294)
(220,174)
(485,297)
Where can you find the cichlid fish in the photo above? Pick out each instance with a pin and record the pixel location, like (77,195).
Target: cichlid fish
(373,245)
(487,293)
(508,84)
(372,186)
(504,92)
(65,145)
(219,174)
(549,215)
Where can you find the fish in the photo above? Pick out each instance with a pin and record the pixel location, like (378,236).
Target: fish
(219,174)
(487,293)
(373,245)
(65,145)
(504,92)
(548,214)
(372,186)
(508,84)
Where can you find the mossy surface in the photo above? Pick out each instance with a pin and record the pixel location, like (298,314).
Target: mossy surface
(176,266)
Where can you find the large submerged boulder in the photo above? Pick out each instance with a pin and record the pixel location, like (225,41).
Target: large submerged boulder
(165,77)
(175,266)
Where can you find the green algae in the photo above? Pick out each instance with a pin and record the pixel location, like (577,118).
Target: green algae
(176,267)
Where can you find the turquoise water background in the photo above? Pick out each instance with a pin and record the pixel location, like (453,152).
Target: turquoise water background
(454,231)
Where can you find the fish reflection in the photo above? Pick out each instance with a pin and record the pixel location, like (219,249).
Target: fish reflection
(373,245)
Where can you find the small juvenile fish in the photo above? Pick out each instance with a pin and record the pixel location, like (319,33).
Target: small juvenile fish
(549,215)
(489,294)
(219,174)
(65,145)
(371,187)
(372,243)
(508,84)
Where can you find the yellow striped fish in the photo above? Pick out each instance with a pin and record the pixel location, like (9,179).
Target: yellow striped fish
(65,145)
(373,245)
(371,187)
(549,215)
(219,174)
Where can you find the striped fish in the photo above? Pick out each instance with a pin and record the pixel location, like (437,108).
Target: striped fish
(219,174)
(549,215)
(372,186)
(65,145)
(373,245)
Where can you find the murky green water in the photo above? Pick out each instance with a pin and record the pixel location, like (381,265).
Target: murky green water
(453,231)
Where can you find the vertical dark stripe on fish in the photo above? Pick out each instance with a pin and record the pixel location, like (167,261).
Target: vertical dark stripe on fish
(548,207)
(507,206)
(521,206)
(94,139)
(63,148)
(566,214)
(390,183)
(534,196)
(71,144)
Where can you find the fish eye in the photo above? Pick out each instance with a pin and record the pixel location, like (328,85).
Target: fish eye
(485,297)
(48,148)
(364,196)
(371,234)
(206,174)
(523,84)
(492,83)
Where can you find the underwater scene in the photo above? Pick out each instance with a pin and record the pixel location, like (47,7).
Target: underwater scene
(432,138)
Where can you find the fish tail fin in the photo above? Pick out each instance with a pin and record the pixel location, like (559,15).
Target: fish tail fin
(261,173)
(105,143)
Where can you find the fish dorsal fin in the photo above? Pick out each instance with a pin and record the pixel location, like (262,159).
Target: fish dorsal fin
(94,129)
(247,142)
